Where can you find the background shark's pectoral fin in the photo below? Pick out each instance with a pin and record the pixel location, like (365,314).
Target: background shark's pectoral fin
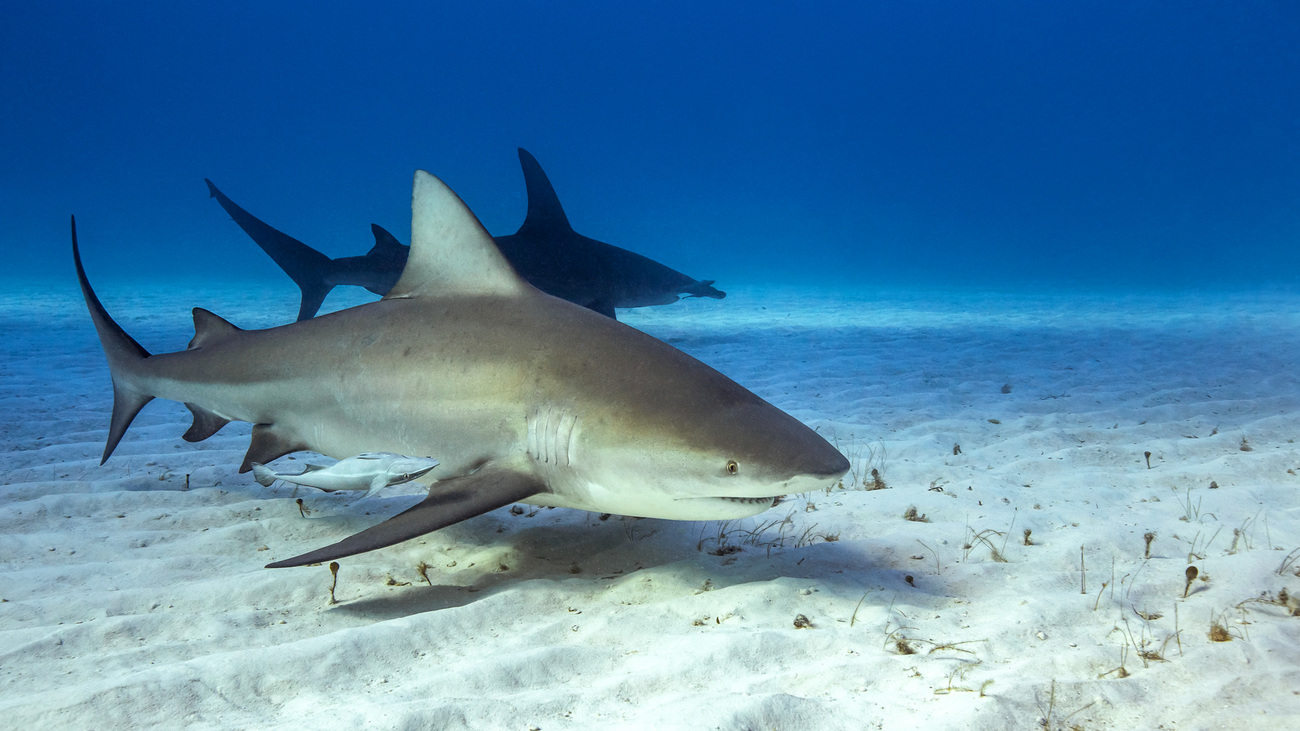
(449,502)
(205,424)
(268,445)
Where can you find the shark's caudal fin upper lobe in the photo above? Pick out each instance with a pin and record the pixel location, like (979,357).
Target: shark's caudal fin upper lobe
(126,360)
(123,354)
(308,268)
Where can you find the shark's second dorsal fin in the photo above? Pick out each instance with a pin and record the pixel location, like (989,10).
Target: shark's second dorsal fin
(386,244)
(210,328)
(451,252)
(545,214)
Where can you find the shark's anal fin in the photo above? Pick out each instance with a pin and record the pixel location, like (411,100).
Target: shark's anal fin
(449,502)
(205,424)
(268,444)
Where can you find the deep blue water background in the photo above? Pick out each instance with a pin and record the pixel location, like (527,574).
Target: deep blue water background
(994,144)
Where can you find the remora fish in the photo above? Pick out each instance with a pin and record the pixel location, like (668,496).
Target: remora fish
(524,396)
(372,471)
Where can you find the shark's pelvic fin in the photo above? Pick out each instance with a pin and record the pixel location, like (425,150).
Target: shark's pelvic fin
(545,214)
(451,253)
(268,444)
(449,501)
(123,353)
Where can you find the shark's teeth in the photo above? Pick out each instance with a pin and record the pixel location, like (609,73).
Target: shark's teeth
(750,500)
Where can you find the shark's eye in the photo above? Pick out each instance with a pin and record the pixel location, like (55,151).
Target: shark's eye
(732,467)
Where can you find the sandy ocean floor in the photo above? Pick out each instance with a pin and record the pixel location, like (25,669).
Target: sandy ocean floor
(1014,428)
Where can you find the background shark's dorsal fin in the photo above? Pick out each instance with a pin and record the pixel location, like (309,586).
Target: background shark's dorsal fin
(544,210)
(386,244)
(451,252)
(210,328)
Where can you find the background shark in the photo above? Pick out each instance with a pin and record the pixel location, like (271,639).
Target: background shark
(522,395)
(545,250)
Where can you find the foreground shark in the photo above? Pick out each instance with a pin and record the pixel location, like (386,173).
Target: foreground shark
(523,396)
(546,251)
(369,471)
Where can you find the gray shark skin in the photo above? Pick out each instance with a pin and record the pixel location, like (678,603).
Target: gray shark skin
(523,396)
(545,251)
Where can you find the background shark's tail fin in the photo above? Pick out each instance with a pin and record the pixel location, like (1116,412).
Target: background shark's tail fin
(307,267)
(314,293)
(124,356)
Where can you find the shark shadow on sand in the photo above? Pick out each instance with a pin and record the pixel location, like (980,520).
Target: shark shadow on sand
(545,251)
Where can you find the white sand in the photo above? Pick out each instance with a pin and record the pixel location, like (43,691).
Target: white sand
(130,599)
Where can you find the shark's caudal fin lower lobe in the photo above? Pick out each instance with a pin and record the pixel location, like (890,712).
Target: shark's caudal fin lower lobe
(449,501)
(307,267)
(123,353)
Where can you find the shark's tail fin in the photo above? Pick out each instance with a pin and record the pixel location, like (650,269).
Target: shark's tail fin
(307,267)
(124,356)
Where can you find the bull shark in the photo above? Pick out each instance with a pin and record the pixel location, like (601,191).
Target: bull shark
(525,397)
(545,251)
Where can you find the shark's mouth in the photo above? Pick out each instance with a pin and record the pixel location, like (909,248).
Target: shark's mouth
(750,500)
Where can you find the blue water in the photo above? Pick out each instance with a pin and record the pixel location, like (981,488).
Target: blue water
(994,144)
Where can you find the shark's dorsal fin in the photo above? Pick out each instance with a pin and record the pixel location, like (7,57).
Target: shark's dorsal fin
(545,214)
(451,252)
(386,244)
(210,328)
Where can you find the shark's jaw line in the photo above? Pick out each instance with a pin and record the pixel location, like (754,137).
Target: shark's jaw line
(519,395)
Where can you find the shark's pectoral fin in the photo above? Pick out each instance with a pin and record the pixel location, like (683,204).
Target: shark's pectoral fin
(604,307)
(205,424)
(449,502)
(268,445)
